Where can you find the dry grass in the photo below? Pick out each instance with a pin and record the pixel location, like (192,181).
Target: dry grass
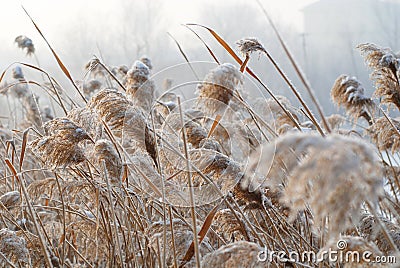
(128,180)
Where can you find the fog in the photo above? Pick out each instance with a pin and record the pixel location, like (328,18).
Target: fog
(119,32)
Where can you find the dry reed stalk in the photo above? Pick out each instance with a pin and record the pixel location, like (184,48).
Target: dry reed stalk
(183,236)
(14,248)
(228,227)
(371,230)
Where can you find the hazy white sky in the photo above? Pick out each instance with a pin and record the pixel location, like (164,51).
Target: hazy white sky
(55,18)
(57,12)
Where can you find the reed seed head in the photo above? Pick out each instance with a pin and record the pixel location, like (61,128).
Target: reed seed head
(25,43)
(349,93)
(217,88)
(249,45)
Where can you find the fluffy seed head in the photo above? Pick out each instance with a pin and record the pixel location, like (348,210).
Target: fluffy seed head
(60,147)
(13,247)
(353,244)
(370,228)
(249,45)
(235,255)
(333,175)
(218,87)
(139,87)
(91,86)
(17,73)
(384,135)
(88,120)
(111,105)
(183,237)
(105,151)
(65,129)
(270,110)
(10,199)
(335,120)
(146,60)
(25,43)
(385,72)
(348,92)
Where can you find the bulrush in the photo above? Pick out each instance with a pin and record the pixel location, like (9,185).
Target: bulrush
(348,92)
(217,89)
(139,87)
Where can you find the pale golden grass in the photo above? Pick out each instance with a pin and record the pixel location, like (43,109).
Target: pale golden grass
(106,183)
(270,110)
(60,147)
(322,173)
(384,135)
(13,248)
(217,88)
(384,64)
(235,255)
(371,230)
(349,93)
(139,87)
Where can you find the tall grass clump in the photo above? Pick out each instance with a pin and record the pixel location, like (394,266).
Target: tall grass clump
(120,173)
